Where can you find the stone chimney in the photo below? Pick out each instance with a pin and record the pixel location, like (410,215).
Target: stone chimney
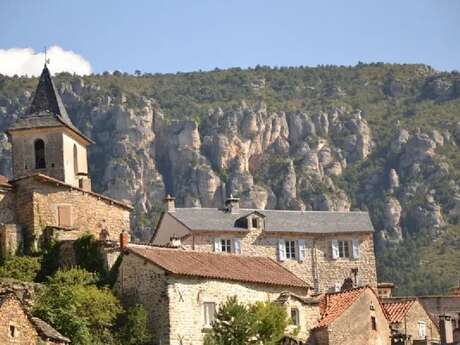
(124,240)
(232,204)
(170,203)
(446,329)
(385,290)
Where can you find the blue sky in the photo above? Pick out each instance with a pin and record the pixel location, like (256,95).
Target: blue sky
(170,36)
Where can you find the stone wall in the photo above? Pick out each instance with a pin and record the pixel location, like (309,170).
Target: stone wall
(187,295)
(12,314)
(354,326)
(309,315)
(37,208)
(11,241)
(318,255)
(141,282)
(7,201)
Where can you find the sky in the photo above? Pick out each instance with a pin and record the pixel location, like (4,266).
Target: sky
(92,36)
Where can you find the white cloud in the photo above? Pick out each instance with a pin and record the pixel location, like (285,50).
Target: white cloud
(25,61)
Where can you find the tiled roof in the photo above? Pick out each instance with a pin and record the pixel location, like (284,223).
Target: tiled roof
(48,179)
(397,309)
(332,305)
(219,266)
(46,109)
(4,182)
(212,219)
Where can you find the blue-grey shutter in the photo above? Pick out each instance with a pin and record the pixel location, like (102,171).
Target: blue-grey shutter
(281,250)
(217,245)
(335,249)
(237,245)
(355,249)
(301,245)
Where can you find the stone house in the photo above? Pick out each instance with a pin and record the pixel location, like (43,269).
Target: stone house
(181,290)
(50,192)
(18,327)
(322,248)
(352,317)
(410,320)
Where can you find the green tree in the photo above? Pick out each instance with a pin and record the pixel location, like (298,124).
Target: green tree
(76,307)
(272,321)
(133,327)
(23,268)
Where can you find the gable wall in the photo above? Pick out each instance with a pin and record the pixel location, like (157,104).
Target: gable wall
(353,327)
(329,271)
(168,227)
(11,312)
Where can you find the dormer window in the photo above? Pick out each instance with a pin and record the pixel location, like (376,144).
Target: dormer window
(39,148)
(255,222)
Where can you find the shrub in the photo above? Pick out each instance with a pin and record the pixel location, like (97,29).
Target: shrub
(25,268)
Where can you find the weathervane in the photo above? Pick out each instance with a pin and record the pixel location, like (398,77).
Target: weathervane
(47,61)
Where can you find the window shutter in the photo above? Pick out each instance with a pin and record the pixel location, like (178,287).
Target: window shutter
(217,245)
(301,244)
(355,250)
(335,249)
(237,245)
(337,287)
(64,215)
(281,250)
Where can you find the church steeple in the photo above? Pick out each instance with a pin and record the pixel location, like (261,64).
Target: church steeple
(44,139)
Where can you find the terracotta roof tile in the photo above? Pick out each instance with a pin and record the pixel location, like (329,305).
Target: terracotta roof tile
(332,305)
(396,310)
(219,266)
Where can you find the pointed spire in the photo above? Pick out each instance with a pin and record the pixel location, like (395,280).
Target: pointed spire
(47,98)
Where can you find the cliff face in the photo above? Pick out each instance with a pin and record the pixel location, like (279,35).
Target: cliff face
(386,142)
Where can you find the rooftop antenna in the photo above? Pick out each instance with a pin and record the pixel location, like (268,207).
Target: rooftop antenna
(47,60)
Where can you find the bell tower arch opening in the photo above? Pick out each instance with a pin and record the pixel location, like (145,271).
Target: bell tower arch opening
(39,150)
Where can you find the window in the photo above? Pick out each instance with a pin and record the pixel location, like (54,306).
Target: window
(255,222)
(295,316)
(290,249)
(39,147)
(64,215)
(209,313)
(421,329)
(344,249)
(13,331)
(373,323)
(226,246)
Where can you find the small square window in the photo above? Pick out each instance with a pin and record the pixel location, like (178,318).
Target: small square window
(209,313)
(295,319)
(226,246)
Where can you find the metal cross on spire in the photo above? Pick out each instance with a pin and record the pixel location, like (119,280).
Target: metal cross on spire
(47,60)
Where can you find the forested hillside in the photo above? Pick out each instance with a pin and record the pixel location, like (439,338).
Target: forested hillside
(376,137)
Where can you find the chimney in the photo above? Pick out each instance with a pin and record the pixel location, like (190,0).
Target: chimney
(124,240)
(170,203)
(174,242)
(232,204)
(385,290)
(446,329)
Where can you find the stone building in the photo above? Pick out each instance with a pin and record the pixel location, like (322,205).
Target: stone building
(410,320)
(352,317)
(18,327)
(50,192)
(182,289)
(322,248)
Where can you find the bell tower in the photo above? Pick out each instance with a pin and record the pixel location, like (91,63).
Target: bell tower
(45,141)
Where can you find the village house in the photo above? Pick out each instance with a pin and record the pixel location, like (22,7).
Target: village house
(50,190)
(352,317)
(181,290)
(322,248)
(17,326)
(410,321)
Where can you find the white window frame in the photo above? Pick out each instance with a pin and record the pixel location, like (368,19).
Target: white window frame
(226,245)
(209,313)
(344,249)
(221,245)
(291,249)
(295,316)
(422,329)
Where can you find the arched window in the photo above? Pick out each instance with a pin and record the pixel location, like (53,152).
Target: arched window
(75,159)
(39,147)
